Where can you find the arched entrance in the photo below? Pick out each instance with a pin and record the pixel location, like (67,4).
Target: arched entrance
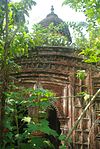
(55,125)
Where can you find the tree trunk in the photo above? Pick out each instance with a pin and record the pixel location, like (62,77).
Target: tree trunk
(4,77)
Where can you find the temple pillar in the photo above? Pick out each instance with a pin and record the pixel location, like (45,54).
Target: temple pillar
(65,102)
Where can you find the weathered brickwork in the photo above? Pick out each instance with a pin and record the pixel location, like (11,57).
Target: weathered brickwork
(55,69)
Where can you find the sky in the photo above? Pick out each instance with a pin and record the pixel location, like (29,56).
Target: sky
(43,8)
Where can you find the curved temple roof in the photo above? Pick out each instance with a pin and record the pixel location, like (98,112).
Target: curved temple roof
(53,18)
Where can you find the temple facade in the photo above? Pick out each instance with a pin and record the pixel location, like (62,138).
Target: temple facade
(55,68)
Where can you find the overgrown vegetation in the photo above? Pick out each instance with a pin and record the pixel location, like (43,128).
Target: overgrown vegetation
(15,40)
(49,36)
(89,45)
(17,127)
(21,127)
(12,23)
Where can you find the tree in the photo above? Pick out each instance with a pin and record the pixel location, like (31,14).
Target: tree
(12,30)
(49,36)
(91,45)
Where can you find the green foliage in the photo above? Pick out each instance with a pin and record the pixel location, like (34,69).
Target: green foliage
(63,147)
(19,126)
(81,74)
(39,143)
(12,23)
(13,30)
(90,8)
(41,126)
(63,139)
(49,36)
(21,44)
(16,12)
(15,40)
(89,45)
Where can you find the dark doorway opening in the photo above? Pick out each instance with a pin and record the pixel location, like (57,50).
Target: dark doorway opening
(55,125)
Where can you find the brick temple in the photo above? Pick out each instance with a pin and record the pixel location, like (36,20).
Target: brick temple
(55,68)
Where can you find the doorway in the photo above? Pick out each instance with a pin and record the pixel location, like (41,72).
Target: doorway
(55,125)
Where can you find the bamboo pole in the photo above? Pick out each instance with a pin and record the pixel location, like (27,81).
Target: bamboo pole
(81,116)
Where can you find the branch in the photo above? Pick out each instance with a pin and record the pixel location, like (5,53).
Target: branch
(13,36)
(82,114)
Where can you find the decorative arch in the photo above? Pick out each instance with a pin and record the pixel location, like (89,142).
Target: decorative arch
(54,124)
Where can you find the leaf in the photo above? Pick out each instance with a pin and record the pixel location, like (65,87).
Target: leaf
(81,74)
(26,12)
(87,96)
(44,99)
(62,137)
(38,142)
(70,140)
(62,147)
(27,119)
(25,146)
(10,135)
(1,82)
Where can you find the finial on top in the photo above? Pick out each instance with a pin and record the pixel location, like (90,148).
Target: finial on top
(52,9)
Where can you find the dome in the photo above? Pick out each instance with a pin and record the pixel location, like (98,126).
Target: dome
(53,18)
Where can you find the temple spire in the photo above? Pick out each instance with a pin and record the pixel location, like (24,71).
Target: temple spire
(52,9)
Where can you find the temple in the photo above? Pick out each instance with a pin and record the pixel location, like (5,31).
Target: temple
(53,18)
(55,68)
